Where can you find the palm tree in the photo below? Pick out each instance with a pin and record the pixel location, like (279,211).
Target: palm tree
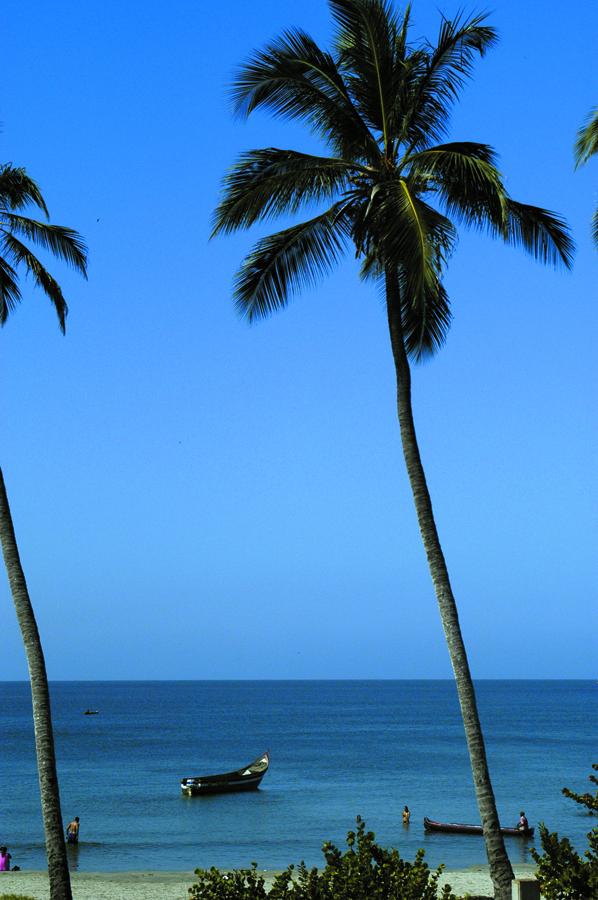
(17,192)
(586,146)
(381,106)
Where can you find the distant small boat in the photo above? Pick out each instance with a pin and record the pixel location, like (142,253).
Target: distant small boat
(91,712)
(458,828)
(245,779)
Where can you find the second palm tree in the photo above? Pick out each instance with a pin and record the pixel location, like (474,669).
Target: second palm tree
(17,192)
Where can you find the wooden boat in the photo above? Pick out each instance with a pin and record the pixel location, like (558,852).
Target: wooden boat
(246,779)
(458,828)
(91,712)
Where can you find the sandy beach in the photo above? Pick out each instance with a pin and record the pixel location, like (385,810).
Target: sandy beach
(175,885)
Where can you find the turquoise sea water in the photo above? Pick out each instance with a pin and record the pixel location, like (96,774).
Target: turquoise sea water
(338,749)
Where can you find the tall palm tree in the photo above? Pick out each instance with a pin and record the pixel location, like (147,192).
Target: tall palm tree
(17,192)
(586,146)
(381,106)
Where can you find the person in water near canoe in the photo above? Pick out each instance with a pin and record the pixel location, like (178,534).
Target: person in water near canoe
(406,815)
(522,824)
(5,859)
(72,831)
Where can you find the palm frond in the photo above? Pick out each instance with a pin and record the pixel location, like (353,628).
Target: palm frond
(426,324)
(404,231)
(368,38)
(294,79)
(10,294)
(371,268)
(542,233)
(18,190)
(418,242)
(441,74)
(62,242)
(595,227)
(266,183)
(465,178)
(402,32)
(586,144)
(282,263)
(21,254)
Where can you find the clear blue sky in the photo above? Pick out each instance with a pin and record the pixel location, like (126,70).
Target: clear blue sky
(197,498)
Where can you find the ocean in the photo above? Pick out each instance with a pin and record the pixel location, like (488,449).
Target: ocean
(338,749)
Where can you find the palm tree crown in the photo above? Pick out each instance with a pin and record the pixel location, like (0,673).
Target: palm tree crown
(381,105)
(586,146)
(17,192)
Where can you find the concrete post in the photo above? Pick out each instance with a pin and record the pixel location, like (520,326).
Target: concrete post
(526,889)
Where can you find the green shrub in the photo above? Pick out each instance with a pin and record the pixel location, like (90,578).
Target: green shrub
(364,871)
(564,874)
(242,884)
(15,897)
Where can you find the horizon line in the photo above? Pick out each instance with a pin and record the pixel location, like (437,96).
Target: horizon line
(311,678)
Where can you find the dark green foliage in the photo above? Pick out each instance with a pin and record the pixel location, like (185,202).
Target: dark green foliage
(365,871)
(15,897)
(379,103)
(564,874)
(242,884)
(590,801)
(586,146)
(17,192)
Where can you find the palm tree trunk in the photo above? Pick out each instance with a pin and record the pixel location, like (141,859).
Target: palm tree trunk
(500,867)
(58,870)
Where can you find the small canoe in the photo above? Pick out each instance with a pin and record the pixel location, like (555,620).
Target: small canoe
(458,828)
(246,779)
(91,712)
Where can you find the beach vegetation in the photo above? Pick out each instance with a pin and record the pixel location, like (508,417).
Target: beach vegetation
(394,189)
(17,231)
(18,192)
(15,897)
(564,874)
(586,146)
(364,871)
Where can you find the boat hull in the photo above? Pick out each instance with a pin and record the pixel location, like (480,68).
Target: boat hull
(246,779)
(221,787)
(459,828)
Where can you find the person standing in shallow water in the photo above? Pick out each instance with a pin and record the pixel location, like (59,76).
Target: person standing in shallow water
(406,815)
(72,831)
(5,858)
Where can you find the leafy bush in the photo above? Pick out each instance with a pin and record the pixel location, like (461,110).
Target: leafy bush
(15,897)
(242,884)
(564,874)
(364,871)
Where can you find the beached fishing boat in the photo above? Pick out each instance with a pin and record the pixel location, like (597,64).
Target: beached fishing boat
(246,779)
(458,828)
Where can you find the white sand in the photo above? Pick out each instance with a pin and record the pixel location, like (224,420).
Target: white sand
(104,885)
(175,885)
(477,881)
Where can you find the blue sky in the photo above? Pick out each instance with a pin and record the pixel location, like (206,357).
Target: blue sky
(197,498)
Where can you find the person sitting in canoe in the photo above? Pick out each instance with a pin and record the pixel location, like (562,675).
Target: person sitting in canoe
(522,824)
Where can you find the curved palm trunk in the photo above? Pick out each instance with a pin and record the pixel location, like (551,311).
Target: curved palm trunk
(58,870)
(500,867)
